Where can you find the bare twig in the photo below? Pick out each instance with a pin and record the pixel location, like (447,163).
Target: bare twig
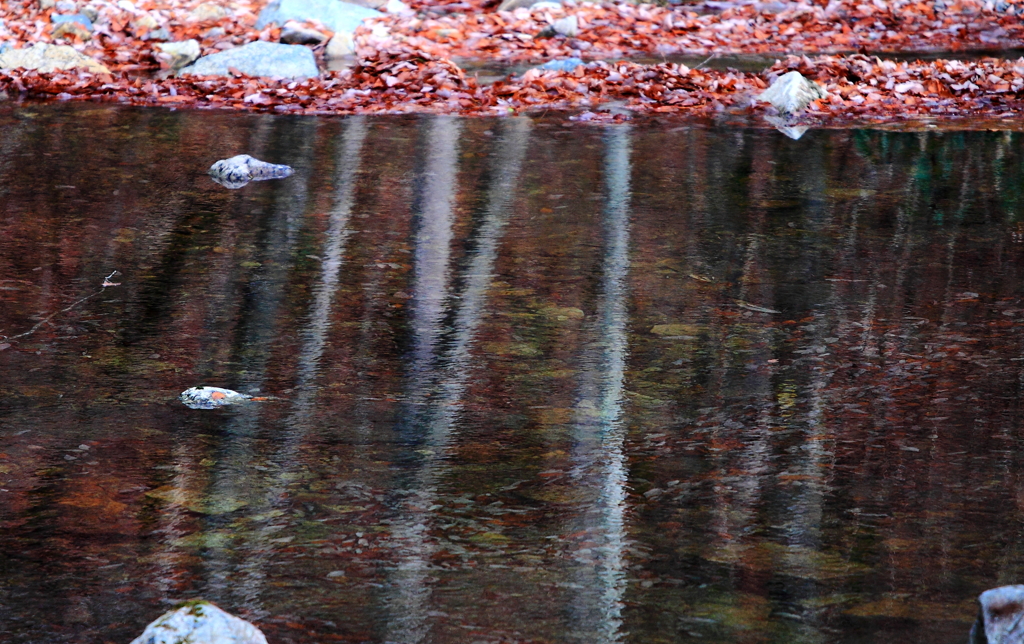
(106,283)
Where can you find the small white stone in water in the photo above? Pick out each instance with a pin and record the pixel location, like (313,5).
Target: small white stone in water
(200,623)
(792,93)
(241,169)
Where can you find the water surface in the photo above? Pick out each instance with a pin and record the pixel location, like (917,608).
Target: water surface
(534,383)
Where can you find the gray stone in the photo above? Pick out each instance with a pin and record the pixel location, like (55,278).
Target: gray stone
(200,623)
(178,54)
(562,65)
(241,169)
(792,93)
(47,58)
(333,14)
(1001,618)
(80,18)
(160,33)
(258,59)
(293,33)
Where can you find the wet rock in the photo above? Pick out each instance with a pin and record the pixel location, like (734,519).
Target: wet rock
(207,11)
(562,65)
(333,14)
(791,93)
(178,54)
(240,170)
(294,33)
(200,623)
(258,59)
(1001,617)
(47,58)
(212,397)
(339,46)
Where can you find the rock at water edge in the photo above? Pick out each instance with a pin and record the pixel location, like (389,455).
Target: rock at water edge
(178,54)
(333,14)
(562,65)
(258,58)
(1001,618)
(200,623)
(48,58)
(339,46)
(792,93)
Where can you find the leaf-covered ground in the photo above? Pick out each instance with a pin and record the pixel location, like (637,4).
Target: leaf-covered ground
(405,62)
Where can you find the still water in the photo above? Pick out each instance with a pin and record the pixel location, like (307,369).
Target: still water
(531,383)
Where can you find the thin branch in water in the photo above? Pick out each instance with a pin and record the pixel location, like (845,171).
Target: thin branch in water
(106,283)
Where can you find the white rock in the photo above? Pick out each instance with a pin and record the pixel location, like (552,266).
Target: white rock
(792,93)
(241,169)
(397,7)
(340,45)
(48,58)
(178,54)
(568,26)
(1001,619)
(200,623)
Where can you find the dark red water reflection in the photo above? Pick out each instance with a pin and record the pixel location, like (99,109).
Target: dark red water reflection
(534,383)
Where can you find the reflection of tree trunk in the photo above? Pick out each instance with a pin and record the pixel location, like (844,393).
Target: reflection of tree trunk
(599,462)
(230,477)
(442,371)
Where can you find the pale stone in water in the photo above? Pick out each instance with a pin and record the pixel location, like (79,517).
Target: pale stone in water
(241,169)
(47,58)
(179,54)
(200,623)
(1001,618)
(792,93)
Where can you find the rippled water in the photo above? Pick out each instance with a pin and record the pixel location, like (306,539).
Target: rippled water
(533,383)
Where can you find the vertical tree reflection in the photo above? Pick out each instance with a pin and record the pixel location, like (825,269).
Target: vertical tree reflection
(439,371)
(598,459)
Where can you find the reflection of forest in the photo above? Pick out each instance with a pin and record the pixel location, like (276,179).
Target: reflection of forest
(530,384)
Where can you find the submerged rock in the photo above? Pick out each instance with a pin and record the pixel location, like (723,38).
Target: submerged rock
(178,54)
(792,93)
(200,623)
(335,15)
(241,169)
(47,58)
(1001,618)
(258,58)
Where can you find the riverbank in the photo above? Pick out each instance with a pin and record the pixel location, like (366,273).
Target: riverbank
(403,61)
